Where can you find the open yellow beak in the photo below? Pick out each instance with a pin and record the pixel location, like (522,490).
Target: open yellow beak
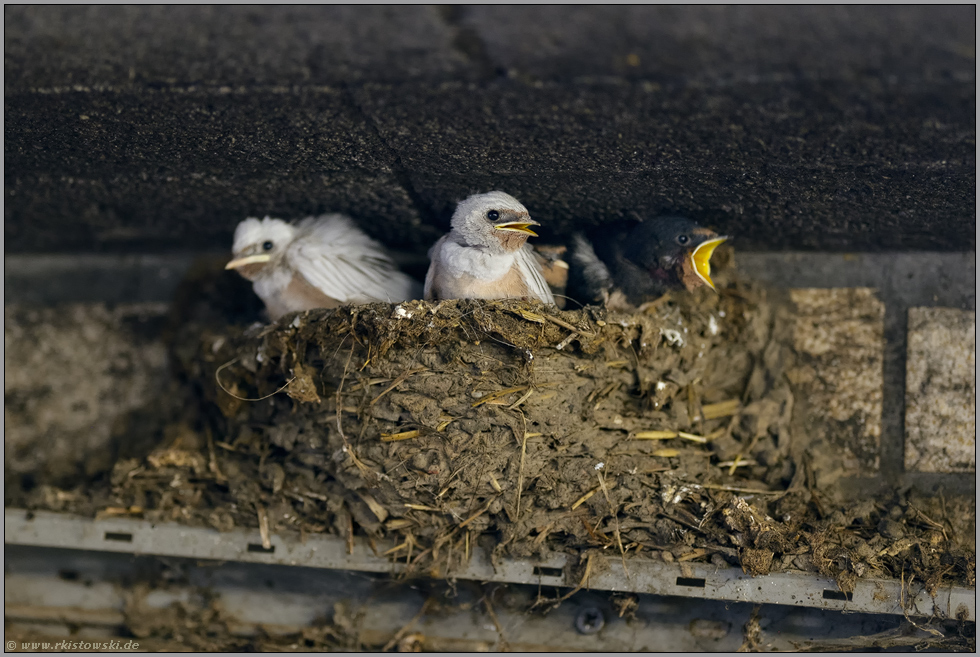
(701,259)
(248,260)
(518,227)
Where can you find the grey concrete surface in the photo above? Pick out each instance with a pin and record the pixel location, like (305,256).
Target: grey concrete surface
(941,391)
(902,280)
(46,280)
(76,380)
(159,128)
(839,341)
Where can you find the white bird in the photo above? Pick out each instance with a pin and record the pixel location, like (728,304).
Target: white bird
(320,262)
(486,255)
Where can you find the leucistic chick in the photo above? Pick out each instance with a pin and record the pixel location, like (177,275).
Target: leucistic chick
(486,254)
(320,262)
(631,262)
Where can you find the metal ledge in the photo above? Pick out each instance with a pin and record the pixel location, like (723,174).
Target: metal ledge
(47,529)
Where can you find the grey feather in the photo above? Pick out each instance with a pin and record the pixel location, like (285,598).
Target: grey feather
(595,272)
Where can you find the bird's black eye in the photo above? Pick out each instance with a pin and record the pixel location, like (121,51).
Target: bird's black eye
(267,246)
(682,239)
(493,215)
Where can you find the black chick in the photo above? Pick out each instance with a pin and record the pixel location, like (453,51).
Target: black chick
(630,262)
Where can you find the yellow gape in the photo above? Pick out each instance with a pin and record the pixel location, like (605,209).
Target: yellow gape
(701,259)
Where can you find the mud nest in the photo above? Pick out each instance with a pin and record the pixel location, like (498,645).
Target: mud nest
(669,433)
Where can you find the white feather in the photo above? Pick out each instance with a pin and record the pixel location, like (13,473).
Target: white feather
(345,264)
(530,270)
(476,261)
(255,231)
(430,275)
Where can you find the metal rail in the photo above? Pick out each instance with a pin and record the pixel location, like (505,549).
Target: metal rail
(121,535)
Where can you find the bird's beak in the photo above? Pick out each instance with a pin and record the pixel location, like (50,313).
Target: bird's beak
(248,260)
(519,227)
(701,259)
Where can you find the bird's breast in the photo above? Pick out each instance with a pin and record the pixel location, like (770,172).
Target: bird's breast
(510,285)
(477,262)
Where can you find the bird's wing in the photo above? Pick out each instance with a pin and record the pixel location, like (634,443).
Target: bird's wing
(345,264)
(531,273)
(434,254)
(594,271)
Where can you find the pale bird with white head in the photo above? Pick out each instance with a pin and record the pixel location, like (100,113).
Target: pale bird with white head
(320,262)
(486,254)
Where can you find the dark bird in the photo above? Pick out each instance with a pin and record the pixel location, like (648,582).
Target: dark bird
(630,262)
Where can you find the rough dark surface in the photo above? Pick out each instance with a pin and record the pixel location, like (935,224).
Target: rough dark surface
(835,128)
(146,47)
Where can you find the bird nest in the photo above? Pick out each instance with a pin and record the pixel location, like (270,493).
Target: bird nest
(547,428)
(667,433)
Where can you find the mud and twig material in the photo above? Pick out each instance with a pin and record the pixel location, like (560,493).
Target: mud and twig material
(670,434)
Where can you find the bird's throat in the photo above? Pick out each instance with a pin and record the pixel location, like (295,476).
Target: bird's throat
(511,241)
(251,271)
